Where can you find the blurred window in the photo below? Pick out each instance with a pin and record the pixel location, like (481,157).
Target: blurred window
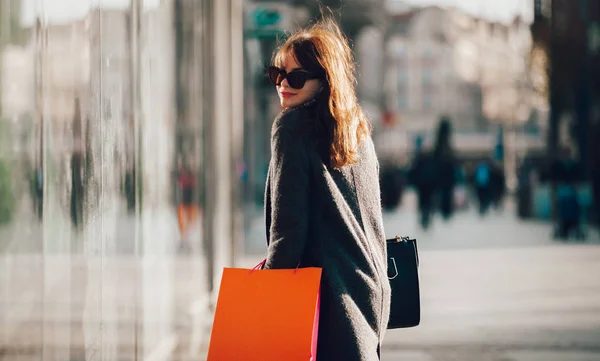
(427,101)
(402,77)
(402,102)
(427,76)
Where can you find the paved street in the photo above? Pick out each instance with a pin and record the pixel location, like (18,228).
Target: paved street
(506,304)
(498,289)
(493,288)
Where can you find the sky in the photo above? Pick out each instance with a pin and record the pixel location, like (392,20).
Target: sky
(65,10)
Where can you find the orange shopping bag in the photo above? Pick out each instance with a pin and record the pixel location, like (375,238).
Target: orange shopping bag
(266,315)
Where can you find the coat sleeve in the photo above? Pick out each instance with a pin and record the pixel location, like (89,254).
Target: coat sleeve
(289,199)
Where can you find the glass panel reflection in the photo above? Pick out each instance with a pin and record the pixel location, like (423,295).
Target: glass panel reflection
(102,167)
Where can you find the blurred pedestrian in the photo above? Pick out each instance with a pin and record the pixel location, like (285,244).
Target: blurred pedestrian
(460,189)
(525,189)
(567,173)
(424,176)
(568,212)
(446,166)
(483,185)
(497,185)
(187,210)
(392,186)
(37,191)
(129,187)
(322,199)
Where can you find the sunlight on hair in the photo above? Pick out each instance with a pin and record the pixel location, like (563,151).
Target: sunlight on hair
(323,47)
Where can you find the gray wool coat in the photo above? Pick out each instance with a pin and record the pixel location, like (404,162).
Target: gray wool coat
(331,219)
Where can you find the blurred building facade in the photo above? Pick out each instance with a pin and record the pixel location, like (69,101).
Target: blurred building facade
(443,61)
(446,62)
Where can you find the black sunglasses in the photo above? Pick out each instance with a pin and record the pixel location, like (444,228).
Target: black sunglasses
(296,78)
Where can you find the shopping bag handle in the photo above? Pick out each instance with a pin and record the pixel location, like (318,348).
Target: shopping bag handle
(259,266)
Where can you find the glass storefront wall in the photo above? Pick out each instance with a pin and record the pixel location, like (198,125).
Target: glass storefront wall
(115,183)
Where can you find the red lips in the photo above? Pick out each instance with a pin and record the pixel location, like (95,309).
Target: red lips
(287,95)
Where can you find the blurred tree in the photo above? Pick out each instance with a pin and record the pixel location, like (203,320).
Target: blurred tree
(539,68)
(561,36)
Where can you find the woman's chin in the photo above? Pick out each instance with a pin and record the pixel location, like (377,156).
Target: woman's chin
(288,102)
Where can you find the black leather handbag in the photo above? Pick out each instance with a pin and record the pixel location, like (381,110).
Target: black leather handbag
(403,274)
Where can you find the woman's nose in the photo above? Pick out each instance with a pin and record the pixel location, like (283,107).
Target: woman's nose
(284,83)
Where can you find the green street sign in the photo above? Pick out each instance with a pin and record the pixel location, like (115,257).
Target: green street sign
(264,17)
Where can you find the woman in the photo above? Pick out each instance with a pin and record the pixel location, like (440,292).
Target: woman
(322,200)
